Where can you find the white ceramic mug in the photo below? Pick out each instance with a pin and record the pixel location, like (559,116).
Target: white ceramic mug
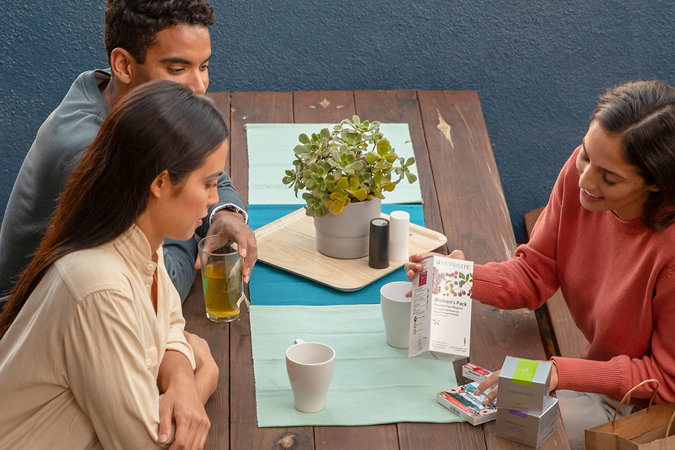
(396,312)
(310,367)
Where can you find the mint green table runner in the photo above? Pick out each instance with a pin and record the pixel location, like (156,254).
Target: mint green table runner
(270,154)
(373,383)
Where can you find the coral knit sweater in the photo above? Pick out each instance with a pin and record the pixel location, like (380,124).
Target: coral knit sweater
(618,279)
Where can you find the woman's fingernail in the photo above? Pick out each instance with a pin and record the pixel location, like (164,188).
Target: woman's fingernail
(486,401)
(243,253)
(163,438)
(477,391)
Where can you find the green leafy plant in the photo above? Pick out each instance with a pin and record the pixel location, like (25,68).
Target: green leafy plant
(354,163)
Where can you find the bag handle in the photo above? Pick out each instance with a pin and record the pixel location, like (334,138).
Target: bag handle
(669,424)
(651,400)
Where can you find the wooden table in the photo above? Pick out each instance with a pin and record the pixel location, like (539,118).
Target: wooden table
(463,199)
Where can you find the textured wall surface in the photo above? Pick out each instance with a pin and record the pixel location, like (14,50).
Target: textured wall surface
(538,67)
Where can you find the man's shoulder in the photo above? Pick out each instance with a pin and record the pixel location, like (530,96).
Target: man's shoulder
(66,134)
(74,124)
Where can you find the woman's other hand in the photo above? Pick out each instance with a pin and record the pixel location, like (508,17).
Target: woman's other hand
(487,383)
(181,404)
(493,378)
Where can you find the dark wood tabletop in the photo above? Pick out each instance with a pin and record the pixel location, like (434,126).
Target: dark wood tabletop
(463,199)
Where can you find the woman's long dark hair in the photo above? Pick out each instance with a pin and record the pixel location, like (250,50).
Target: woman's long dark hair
(160,126)
(642,113)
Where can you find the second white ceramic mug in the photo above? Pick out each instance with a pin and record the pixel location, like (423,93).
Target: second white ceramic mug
(396,312)
(310,367)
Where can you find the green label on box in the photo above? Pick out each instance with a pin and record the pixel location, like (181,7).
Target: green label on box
(524,373)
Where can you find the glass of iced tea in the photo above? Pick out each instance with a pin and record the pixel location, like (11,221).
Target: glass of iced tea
(221,277)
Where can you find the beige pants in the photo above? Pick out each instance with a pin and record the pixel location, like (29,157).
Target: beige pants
(582,410)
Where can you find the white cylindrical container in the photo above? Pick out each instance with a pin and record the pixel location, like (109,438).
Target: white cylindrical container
(399,230)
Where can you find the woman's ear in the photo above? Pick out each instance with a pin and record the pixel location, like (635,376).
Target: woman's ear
(653,188)
(161,186)
(122,65)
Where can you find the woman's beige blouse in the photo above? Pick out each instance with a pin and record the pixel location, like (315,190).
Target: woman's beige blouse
(78,367)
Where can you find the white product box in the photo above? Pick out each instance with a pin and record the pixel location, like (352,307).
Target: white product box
(440,316)
(527,428)
(523,384)
(463,401)
(474,372)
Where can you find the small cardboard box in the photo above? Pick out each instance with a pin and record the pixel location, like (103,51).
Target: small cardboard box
(523,384)
(463,401)
(474,372)
(440,318)
(527,428)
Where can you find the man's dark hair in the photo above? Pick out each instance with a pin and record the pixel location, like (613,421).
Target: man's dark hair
(133,24)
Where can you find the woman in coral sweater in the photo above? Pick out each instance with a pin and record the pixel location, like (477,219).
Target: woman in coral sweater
(605,239)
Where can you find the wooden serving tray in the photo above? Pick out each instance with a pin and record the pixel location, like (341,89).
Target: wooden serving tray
(289,244)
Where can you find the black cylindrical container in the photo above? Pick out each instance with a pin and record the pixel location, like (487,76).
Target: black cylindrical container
(378,255)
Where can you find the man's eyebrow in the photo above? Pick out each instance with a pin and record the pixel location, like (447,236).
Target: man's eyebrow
(175,60)
(179,60)
(583,147)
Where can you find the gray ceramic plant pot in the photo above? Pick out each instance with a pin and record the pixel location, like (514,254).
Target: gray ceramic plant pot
(346,235)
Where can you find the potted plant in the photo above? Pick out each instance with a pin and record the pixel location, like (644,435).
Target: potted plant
(345,174)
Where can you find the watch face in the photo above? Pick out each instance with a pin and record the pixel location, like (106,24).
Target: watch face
(236,209)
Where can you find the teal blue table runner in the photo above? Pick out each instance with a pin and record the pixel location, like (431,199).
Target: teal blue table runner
(372,384)
(272,286)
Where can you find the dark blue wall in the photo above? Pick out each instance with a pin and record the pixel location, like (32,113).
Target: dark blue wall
(538,66)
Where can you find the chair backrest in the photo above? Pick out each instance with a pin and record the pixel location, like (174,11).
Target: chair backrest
(559,333)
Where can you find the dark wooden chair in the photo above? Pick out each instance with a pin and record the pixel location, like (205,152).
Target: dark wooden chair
(560,335)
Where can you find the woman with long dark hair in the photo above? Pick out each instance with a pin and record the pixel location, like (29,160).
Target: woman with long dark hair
(93,331)
(607,240)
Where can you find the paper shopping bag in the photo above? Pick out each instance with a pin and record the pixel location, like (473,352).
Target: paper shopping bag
(648,429)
